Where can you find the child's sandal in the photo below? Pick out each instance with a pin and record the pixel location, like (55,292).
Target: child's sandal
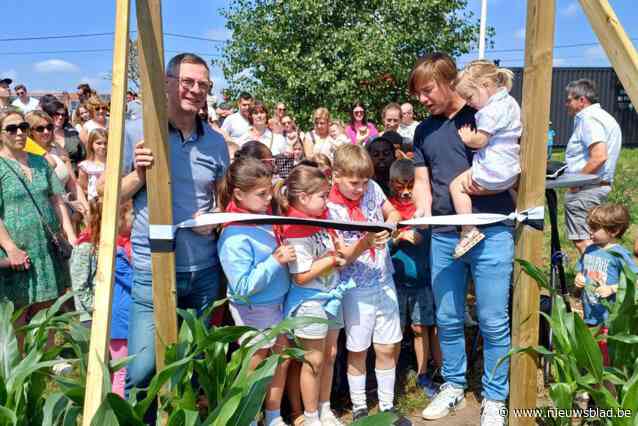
(468,241)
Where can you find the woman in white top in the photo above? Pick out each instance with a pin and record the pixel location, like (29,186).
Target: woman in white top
(259,130)
(99,111)
(42,134)
(319,136)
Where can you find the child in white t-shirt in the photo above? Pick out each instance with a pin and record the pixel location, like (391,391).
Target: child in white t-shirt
(496,164)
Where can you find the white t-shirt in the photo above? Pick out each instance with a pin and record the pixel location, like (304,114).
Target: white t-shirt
(308,250)
(407,131)
(326,146)
(497,164)
(236,126)
(91,125)
(367,270)
(31,105)
(275,142)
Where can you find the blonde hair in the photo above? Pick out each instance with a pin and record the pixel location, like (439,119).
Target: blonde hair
(437,66)
(321,113)
(95,135)
(479,71)
(93,103)
(613,218)
(353,161)
(33,118)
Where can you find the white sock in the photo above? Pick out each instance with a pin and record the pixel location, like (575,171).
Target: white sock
(357,386)
(311,419)
(271,416)
(385,387)
(324,408)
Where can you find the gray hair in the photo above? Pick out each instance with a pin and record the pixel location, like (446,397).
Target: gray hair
(172,68)
(583,88)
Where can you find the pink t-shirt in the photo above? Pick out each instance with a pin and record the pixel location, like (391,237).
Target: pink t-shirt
(352,133)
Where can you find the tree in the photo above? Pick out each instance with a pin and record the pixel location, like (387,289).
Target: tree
(311,53)
(133,72)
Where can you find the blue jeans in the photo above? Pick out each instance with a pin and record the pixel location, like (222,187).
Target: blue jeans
(490,262)
(195,290)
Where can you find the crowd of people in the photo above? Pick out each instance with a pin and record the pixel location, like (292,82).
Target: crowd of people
(376,288)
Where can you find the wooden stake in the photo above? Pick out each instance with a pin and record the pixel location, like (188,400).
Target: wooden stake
(619,48)
(158,184)
(101,321)
(537,82)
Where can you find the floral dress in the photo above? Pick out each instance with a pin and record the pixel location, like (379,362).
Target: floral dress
(47,276)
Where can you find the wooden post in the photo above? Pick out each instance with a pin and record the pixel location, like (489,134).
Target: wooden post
(101,321)
(618,47)
(537,82)
(158,184)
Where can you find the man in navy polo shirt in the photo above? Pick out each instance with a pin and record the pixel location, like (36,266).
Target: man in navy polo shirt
(440,156)
(199,158)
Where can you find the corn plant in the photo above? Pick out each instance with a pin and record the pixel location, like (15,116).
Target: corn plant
(576,361)
(25,375)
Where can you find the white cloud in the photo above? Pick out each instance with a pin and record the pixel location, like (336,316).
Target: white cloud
(520,34)
(218,33)
(55,65)
(12,74)
(572,9)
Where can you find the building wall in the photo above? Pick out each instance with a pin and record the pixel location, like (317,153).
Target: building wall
(611,93)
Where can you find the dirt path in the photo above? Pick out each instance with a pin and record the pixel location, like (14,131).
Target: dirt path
(468,416)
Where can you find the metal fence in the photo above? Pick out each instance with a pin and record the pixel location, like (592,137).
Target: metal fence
(613,99)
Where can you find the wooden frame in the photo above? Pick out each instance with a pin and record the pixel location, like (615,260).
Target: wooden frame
(536,99)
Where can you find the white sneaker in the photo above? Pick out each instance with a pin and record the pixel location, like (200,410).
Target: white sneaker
(278,422)
(62,368)
(449,398)
(329,419)
(493,413)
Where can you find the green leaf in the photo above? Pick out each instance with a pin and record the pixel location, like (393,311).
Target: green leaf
(115,411)
(9,354)
(586,350)
(630,395)
(54,408)
(381,419)
(8,415)
(562,395)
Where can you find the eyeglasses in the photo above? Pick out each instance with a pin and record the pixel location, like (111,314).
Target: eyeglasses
(102,108)
(20,93)
(59,114)
(189,83)
(12,129)
(281,108)
(358,111)
(41,129)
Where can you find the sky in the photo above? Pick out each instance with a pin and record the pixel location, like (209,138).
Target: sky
(56,64)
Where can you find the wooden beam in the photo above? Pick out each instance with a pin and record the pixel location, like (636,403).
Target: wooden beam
(617,45)
(101,321)
(158,184)
(537,85)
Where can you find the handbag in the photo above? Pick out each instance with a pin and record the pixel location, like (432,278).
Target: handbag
(58,245)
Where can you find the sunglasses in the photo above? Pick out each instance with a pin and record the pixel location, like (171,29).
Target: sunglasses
(12,129)
(59,114)
(41,129)
(102,108)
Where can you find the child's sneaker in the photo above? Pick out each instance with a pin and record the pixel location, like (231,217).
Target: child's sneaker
(427,384)
(359,414)
(329,419)
(448,399)
(401,420)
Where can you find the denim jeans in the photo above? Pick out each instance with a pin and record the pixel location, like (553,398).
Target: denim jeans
(490,262)
(195,290)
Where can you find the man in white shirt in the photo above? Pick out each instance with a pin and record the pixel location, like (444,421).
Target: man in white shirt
(237,124)
(408,124)
(593,148)
(24,102)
